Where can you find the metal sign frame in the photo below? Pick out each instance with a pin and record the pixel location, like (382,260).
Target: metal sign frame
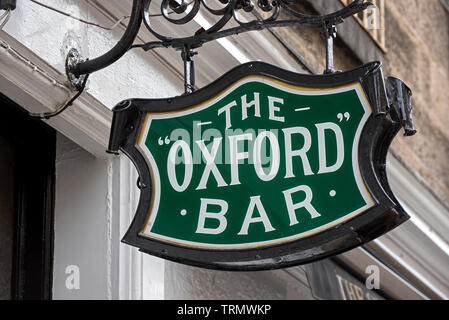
(389,115)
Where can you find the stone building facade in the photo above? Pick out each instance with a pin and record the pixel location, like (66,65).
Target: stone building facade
(416,50)
(94,195)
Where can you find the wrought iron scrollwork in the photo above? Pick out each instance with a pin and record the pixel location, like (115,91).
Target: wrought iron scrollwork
(260,14)
(180,12)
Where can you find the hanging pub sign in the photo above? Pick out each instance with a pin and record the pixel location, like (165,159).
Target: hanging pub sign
(264,168)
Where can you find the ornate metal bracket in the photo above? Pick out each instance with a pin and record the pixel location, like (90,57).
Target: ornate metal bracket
(73,58)
(400,96)
(187,11)
(227,13)
(180,12)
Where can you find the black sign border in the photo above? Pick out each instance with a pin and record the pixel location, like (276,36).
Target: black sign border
(375,140)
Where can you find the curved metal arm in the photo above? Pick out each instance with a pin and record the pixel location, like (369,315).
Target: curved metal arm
(140,11)
(118,50)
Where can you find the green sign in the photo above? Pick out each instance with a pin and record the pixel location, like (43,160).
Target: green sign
(262,163)
(263,168)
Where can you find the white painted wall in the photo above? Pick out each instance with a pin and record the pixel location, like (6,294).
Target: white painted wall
(82,223)
(51,35)
(95,202)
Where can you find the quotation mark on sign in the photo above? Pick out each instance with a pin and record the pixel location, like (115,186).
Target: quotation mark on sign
(342,116)
(163,141)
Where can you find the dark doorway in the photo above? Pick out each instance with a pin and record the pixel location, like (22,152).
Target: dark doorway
(27,178)
(6,218)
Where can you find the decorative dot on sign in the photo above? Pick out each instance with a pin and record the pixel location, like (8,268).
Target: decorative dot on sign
(333,193)
(183,212)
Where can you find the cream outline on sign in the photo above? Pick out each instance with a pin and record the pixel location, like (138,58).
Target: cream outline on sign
(146,231)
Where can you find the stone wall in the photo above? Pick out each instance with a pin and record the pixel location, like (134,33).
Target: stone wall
(417,35)
(417,43)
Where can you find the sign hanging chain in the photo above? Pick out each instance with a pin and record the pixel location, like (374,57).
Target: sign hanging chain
(189,69)
(330,33)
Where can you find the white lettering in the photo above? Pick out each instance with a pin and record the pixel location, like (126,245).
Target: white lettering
(211,167)
(255,103)
(275,156)
(220,216)
(272,109)
(255,202)
(290,153)
(227,110)
(171,165)
(322,127)
(306,203)
(236,156)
